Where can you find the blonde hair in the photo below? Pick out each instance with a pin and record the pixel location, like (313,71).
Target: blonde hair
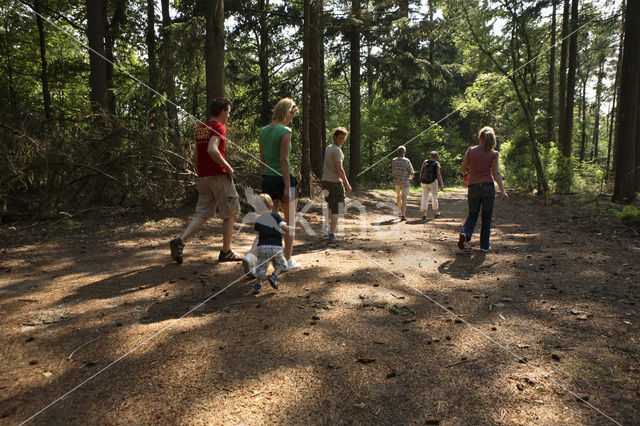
(340,131)
(266,198)
(487,138)
(283,108)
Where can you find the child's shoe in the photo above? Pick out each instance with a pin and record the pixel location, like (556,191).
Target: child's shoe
(273,280)
(256,288)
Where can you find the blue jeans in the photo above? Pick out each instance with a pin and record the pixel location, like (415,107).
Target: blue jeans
(480,196)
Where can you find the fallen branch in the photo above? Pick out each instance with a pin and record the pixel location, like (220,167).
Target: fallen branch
(462,361)
(81,346)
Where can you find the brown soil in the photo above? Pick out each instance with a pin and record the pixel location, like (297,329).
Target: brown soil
(393,325)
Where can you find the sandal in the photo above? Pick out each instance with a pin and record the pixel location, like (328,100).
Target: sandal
(229,256)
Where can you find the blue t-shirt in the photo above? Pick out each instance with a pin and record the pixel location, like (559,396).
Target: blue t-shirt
(269,231)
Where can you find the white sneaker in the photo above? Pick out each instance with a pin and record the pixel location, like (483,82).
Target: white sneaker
(292,265)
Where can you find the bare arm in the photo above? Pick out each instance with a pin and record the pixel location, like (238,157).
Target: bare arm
(214,153)
(261,158)
(285,143)
(495,171)
(439,177)
(343,176)
(464,166)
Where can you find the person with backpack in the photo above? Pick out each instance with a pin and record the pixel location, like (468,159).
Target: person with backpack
(429,178)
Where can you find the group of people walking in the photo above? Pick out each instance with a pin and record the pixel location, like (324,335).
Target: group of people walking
(216,189)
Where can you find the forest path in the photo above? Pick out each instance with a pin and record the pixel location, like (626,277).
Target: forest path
(392,325)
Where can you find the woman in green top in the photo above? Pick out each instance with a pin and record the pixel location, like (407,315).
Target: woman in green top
(277,179)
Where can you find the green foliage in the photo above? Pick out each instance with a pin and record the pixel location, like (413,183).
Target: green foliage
(629,214)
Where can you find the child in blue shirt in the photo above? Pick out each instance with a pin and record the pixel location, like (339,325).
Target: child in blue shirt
(270,227)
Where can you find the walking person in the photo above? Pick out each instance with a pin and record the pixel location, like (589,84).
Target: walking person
(480,166)
(215,183)
(402,174)
(277,174)
(334,181)
(429,178)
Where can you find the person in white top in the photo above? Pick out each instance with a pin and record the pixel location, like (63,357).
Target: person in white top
(334,181)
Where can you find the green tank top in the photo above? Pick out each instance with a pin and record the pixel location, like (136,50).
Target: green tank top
(271,139)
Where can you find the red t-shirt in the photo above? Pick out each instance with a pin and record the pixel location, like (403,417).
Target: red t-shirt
(480,164)
(206,165)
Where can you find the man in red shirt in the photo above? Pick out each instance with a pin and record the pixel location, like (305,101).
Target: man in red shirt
(215,183)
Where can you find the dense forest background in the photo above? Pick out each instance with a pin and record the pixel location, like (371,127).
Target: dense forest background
(101,97)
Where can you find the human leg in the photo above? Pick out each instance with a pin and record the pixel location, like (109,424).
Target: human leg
(487,197)
(405,195)
(473,199)
(433,191)
(424,201)
(290,210)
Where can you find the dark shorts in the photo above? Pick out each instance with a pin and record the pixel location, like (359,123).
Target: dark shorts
(274,186)
(335,195)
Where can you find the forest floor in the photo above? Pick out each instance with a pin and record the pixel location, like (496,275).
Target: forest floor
(393,325)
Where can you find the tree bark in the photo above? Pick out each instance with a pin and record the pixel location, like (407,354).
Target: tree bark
(562,71)
(97,65)
(305,166)
(316,115)
(169,75)
(355,160)
(626,139)
(214,49)
(583,119)
(566,137)
(44,77)
(552,76)
(596,124)
(263,62)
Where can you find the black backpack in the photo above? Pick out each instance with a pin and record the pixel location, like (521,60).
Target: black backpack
(429,172)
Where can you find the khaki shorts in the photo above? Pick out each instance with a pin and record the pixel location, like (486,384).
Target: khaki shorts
(335,195)
(403,190)
(220,192)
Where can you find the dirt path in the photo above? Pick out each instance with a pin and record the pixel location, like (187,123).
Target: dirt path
(392,325)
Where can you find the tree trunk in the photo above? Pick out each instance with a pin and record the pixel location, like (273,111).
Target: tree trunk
(214,49)
(552,76)
(616,88)
(169,76)
(263,62)
(97,65)
(316,126)
(150,38)
(562,72)
(46,96)
(583,120)
(596,124)
(305,167)
(566,170)
(111,33)
(626,138)
(355,161)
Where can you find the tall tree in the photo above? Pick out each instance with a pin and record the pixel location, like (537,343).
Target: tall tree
(169,74)
(566,134)
(552,75)
(151,52)
(627,136)
(263,63)
(214,49)
(355,160)
(562,70)
(305,167)
(44,77)
(97,64)
(316,90)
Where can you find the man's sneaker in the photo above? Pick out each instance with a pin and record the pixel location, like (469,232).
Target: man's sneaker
(437,215)
(462,241)
(176,247)
(403,217)
(424,217)
(273,280)
(292,265)
(334,239)
(256,288)
(486,250)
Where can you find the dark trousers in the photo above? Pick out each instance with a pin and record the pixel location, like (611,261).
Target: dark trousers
(480,197)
